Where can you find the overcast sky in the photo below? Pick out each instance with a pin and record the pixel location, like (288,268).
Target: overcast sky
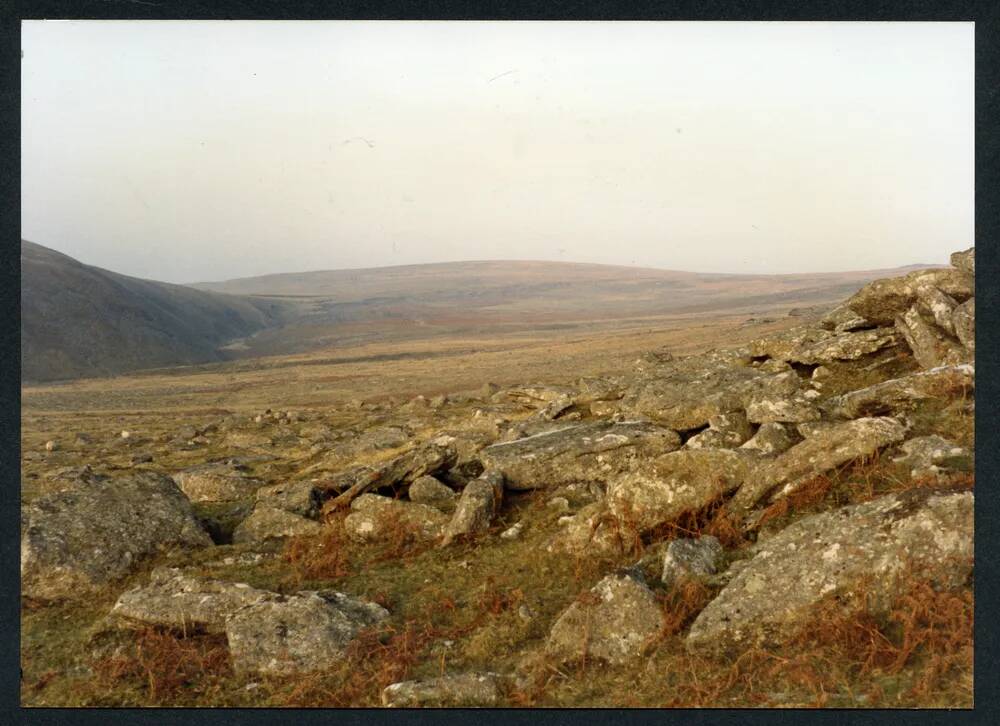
(188,151)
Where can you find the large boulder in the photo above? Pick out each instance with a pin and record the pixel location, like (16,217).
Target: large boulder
(842,320)
(375,517)
(478,505)
(899,392)
(661,489)
(794,409)
(76,541)
(827,449)
(180,601)
(302,632)
(931,347)
(613,624)
(939,306)
(870,549)
(582,452)
(216,483)
(882,300)
(468,690)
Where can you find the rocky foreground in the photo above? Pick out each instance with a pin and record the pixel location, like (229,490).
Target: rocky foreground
(725,500)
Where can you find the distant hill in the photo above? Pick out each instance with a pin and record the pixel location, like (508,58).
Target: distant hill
(78,320)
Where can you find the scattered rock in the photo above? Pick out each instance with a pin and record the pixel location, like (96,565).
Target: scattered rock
(76,541)
(295,633)
(865,549)
(615,626)
(825,449)
(580,452)
(51,446)
(482,690)
(513,532)
(696,558)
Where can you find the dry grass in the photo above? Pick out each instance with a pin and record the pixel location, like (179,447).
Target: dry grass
(166,668)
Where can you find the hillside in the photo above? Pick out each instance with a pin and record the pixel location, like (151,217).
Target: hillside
(78,320)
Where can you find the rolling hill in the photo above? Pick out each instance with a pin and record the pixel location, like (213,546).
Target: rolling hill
(82,321)
(78,320)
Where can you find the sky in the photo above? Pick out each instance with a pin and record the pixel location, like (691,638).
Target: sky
(189,151)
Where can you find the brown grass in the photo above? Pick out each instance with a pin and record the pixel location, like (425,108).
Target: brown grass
(164,665)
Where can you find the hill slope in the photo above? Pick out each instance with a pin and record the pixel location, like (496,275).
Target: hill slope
(78,320)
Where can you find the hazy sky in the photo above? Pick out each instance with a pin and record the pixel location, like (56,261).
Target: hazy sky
(187,151)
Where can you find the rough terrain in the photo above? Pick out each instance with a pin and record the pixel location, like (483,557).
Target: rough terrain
(782,520)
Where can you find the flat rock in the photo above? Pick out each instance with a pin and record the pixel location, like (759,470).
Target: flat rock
(297,633)
(76,541)
(299,497)
(216,483)
(478,505)
(661,489)
(621,617)
(176,600)
(825,450)
(476,690)
(581,452)
(893,394)
(881,301)
(375,517)
(864,549)
(266,522)
(812,346)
